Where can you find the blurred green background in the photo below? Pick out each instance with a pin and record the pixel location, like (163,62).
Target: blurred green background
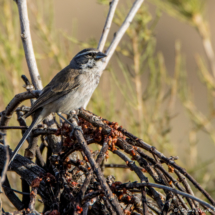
(159,85)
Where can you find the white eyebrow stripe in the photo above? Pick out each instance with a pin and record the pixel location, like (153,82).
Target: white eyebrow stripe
(86,53)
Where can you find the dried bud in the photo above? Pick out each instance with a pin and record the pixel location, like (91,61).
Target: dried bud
(170,183)
(36,182)
(170,169)
(144,170)
(133,153)
(79,209)
(54,212)
(74,183)
(128,198)
(127,212)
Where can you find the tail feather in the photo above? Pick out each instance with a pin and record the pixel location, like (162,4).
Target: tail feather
(37,119)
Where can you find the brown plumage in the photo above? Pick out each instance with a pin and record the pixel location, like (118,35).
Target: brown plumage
(69,90)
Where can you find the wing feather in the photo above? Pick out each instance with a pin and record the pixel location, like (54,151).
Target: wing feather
(63,83)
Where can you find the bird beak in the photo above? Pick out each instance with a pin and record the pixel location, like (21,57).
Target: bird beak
(100,55)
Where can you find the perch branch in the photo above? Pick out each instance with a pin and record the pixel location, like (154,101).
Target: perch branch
(97,170)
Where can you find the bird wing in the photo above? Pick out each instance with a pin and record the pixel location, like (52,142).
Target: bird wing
(63,83)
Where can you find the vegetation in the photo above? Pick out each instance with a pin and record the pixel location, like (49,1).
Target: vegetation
(140,94)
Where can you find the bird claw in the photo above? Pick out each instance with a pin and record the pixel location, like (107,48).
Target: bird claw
(76,128)
(73,114)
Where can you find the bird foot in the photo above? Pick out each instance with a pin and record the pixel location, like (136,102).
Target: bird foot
(72,114)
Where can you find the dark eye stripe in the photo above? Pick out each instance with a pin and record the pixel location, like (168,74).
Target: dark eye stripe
(87,53)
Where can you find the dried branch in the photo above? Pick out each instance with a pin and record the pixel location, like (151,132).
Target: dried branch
(108,23)
(97,170)
(119,34)
(139,185)
(95,188)
(27,44)
(152,149)
(11,107)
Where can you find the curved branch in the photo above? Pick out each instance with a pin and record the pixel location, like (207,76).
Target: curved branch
(26,169)
(11,107)
(140,185)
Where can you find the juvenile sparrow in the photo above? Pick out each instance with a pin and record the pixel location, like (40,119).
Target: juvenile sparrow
(69,90)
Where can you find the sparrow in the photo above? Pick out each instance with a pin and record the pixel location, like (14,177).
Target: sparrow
(69,90)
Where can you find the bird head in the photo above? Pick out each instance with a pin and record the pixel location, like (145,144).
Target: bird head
(88,59)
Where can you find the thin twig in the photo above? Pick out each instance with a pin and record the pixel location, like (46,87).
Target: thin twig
(152,149)
(119,34)
(27,44)
(139,185)
(108,23)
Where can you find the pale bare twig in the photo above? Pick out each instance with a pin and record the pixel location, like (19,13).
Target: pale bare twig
(108,23)
(119,34)
(27,44)
(32,66)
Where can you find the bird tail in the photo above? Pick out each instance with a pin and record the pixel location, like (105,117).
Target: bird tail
(37,119)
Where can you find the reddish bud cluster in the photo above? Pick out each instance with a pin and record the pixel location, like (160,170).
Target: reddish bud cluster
(65,131)
(98,135)
(80,162)
(79,209)
(87,127)
(85,158)
(111,143)
(54,212)
(170,169)
(49,178)
(127,212)
(74,184)
(144,170)
(36,182)
(33,193)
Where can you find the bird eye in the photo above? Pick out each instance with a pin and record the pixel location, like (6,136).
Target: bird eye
(90,54)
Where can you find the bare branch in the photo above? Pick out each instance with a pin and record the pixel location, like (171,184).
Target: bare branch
(107,26)
(11,107)
(139,185)
(27,44)
(97,170)
(122,30)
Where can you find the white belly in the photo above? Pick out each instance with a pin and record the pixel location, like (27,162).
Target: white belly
(77,98)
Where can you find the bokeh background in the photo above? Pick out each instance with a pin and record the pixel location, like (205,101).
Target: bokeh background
(159,85)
